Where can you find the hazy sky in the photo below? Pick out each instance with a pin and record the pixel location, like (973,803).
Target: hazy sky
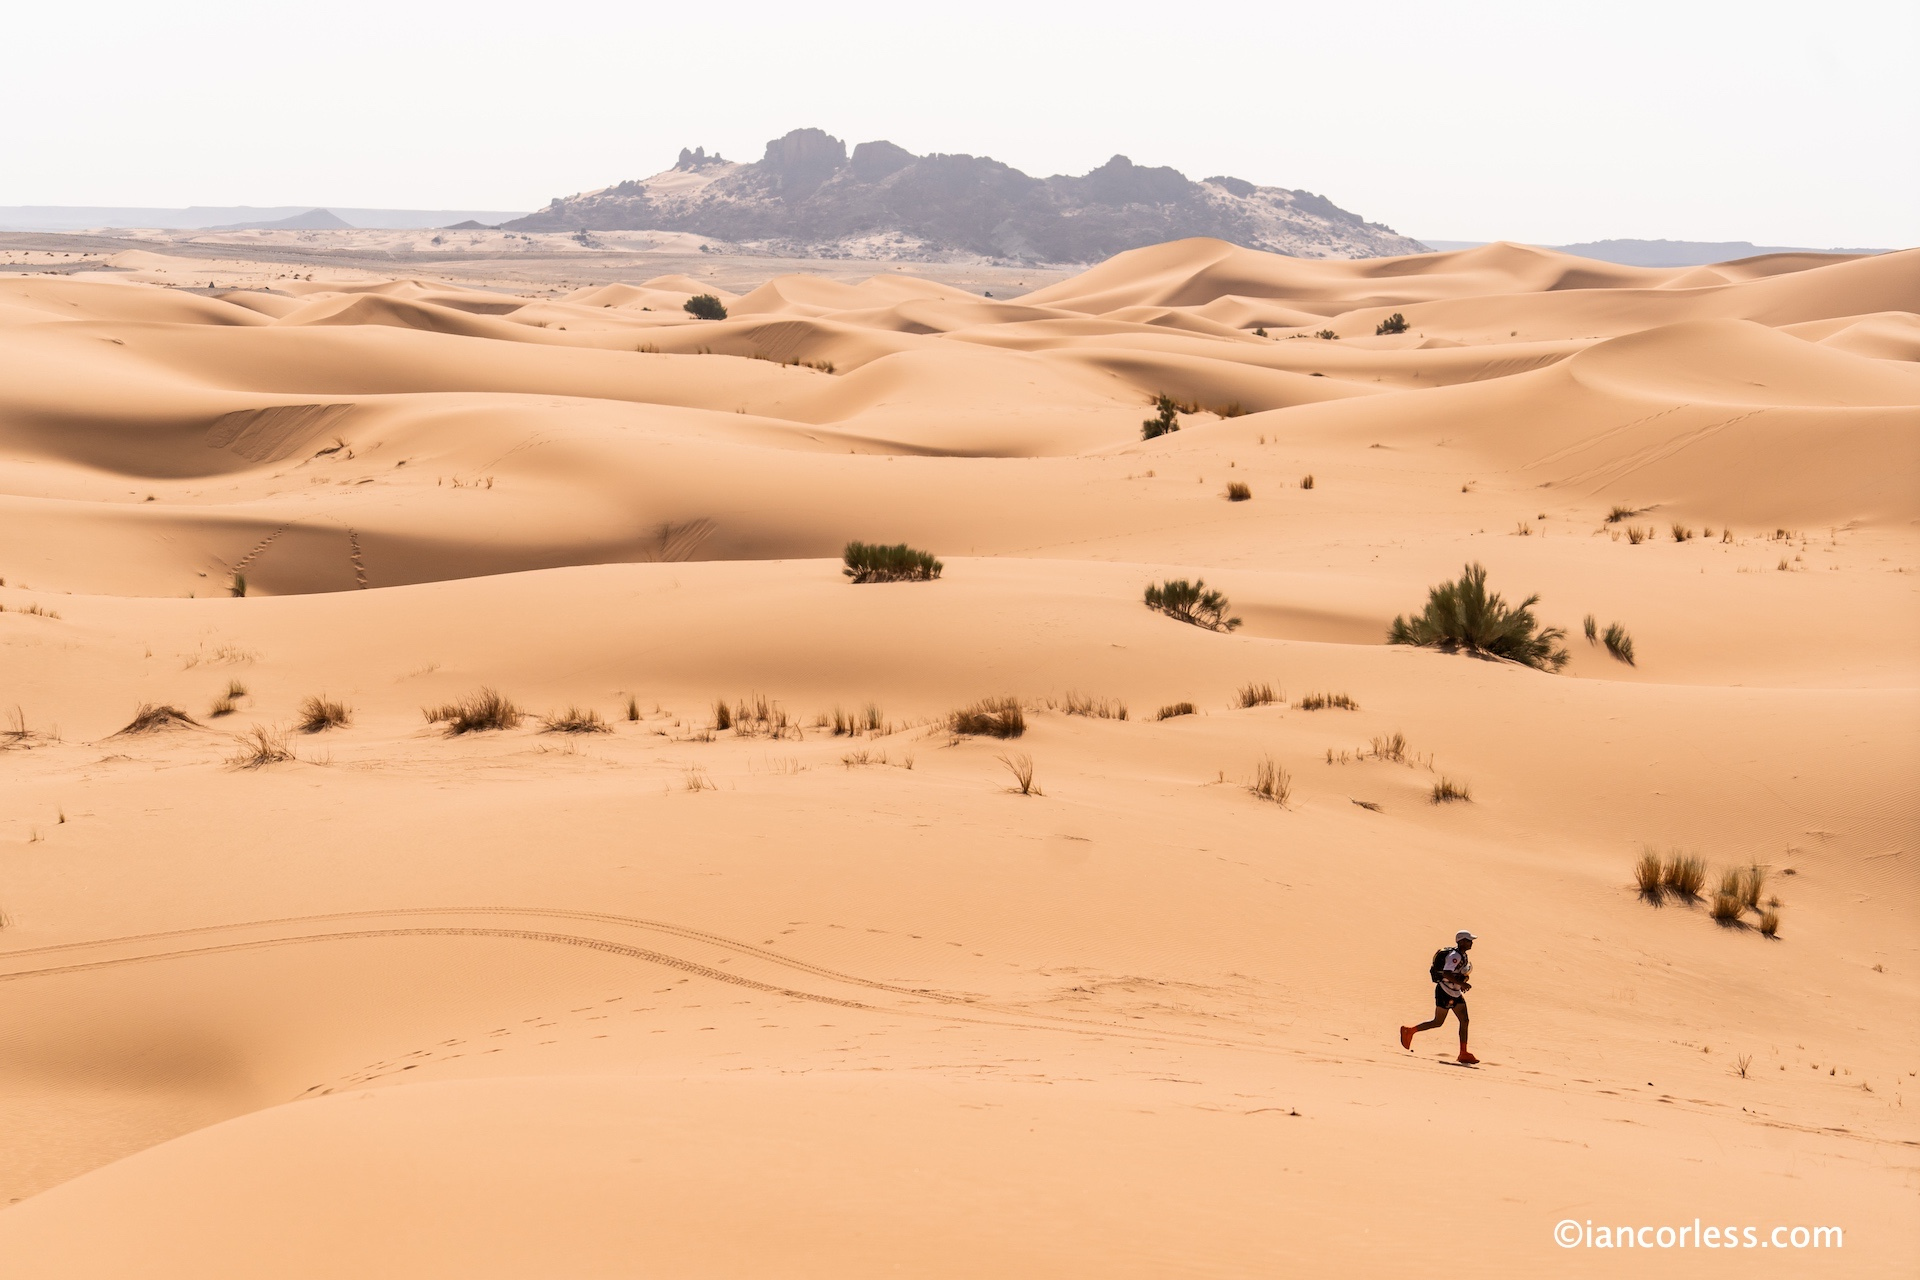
(1546,122)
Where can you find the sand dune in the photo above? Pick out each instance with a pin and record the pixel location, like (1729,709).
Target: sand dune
(765,999)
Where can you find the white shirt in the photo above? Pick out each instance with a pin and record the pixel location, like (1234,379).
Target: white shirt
(1456,967)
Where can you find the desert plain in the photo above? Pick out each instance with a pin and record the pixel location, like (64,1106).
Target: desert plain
(811,988)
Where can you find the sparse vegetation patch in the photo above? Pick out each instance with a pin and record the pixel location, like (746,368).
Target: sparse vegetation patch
(1192,602)
(1271,782)
(1395,323)
(704,306)
(1464,615)
(1323,701)
(1258,694)
(476,713)
(990,718)
(1173,709)
(872,562)
(318,714)
(150,718)
(574,720)
(259,747)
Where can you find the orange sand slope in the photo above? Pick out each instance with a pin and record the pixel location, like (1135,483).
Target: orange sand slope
(763,999)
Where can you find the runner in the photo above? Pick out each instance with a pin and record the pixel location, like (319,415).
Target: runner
(1449,972)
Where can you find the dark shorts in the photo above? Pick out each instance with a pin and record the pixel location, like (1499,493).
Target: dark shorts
(1441,1000)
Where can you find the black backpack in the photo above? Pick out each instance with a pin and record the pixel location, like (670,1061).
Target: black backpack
(1438,968)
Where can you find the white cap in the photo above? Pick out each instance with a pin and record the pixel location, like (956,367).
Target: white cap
(1464,936)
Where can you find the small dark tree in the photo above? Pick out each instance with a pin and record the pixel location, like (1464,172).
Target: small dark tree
(1192,602)
(704,306)
(1465,615)
(1165,422)
(1395,323)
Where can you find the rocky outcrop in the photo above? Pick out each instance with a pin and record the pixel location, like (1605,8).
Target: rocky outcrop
(807,196)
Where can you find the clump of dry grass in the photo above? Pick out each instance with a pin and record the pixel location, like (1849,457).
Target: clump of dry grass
(1392,747)
(1173,709)
(697,780)
(1592,630)
(1238,491)
(633,707)
(1770,923)
(574,720)
(1752,881)
(318,714)
(1684,874)
(1259,695)
(759,715)
(1681,533)
(222,706)
(475,713)
(722,714)
(259,747)
(1619,643)
(851,723)
(1726,908)
(990,718)
(874,562)
(1271,782)
(1080,704)
(1306,481)
(150,718)
(1636,535)
(1447,790)
(1324,701)
(1620,513)
(1646,874)
(1021,767)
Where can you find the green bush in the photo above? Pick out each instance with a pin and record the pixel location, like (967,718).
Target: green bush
(871,562)
(1395,323)
(1192,602)
(704,306)
(1619,643)
(1163,424)
(1464,615)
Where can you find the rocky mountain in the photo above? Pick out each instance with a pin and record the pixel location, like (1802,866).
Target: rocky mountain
(808,197)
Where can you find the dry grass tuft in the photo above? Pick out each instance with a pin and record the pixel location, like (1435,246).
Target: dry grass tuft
(222,706)
(990,718)
(1080,704)
(1173,709)
(1752,881)
(1726,909)
(1619,643)
(1392,748)
(1646,874)
(697,780)
(1021,767)
(1684,874)
(1447,790)
(1636,535)
(1259,695)
(1681,533)
(1271,782)
(574,720)
(1770,923)
(1743,1064)
(1238,491)
(722,714)
(1591,629)
(475,713)
(259,747)
(150,718)
(851,723)
(318,714)
(633,707)
(1620,513)
(760,715)
(1306,481)
(1323,701)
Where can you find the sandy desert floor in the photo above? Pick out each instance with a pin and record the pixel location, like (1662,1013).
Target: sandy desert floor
(775,1001)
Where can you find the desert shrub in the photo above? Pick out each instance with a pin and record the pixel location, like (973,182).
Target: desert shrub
(1646,874)
(1173,709)
(1271,782)
(1231,409)
(235,689)
(1395,323)
(1681,533)
(1726,908)
(633,707)
(1393,747)
(762,715)
(1306,481)
(1021,767)
(1328,334)
(1323,701)
(475,713)
(1619,513)
(1619,643)
(1080,704)
(318,714)
(1770,923)
(1237,491)
(260,746)
(1637,534)
(872,562)
(990,718)
(1163,422)
(238,586)
(1191,602)
(150,718)
(1591,629)
(1464,615)
(222,706)
(849,723)
(1752,881)
(1260,332)
(1447,789)
(722,714)
(574,720)
(1684,874)
(1258,695)
(704,306)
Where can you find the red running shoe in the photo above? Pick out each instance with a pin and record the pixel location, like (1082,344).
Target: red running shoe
(1406,1037)
(1468,1058)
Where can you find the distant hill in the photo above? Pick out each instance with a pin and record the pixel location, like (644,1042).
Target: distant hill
(311,220)
(1663,253)
(55,217)
(807,196)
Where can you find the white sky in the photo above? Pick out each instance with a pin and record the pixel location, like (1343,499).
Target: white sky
(1547,122)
